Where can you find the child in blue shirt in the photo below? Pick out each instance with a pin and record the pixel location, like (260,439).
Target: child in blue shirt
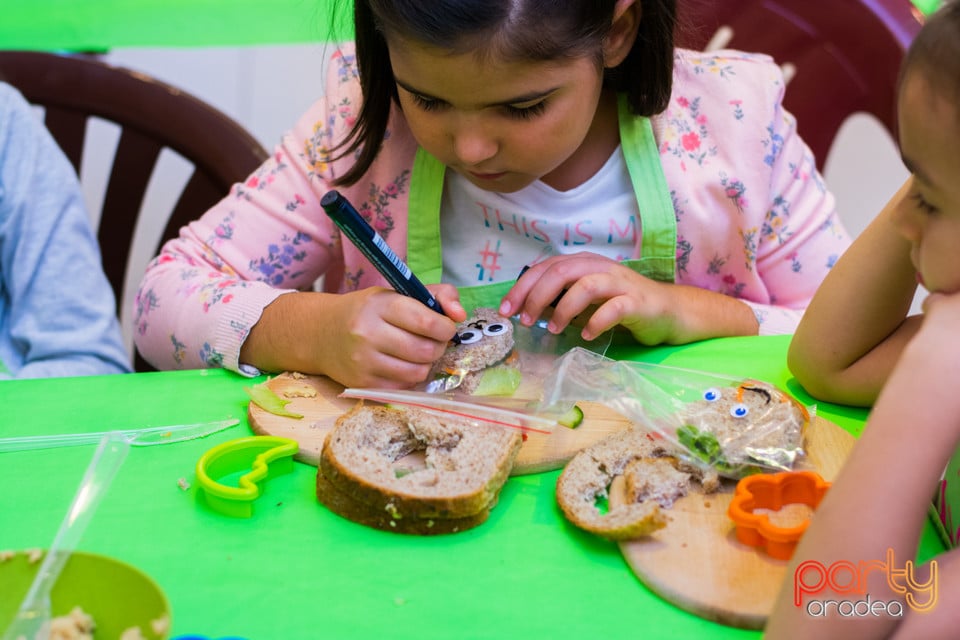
(57,310)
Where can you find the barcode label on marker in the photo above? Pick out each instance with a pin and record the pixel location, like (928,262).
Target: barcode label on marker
(387,251)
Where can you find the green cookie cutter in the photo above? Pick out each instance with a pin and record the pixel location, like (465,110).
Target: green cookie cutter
(263,457)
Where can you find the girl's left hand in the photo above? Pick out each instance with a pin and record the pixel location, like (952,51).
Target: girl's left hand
(654,312)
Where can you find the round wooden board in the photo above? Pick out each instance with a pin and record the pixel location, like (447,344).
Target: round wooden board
(696,562)
(316,399)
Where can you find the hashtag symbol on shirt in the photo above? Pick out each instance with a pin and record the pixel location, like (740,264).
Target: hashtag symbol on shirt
(488,262)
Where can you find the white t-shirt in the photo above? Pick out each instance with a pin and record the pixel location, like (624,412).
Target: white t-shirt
(489,237)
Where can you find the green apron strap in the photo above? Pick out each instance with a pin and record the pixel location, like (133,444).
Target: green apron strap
(658,245)
(423,218)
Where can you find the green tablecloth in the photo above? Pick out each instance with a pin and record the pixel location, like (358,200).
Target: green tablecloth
(296,571)
(105,24)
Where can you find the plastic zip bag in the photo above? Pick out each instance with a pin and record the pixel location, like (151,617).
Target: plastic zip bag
(737,426)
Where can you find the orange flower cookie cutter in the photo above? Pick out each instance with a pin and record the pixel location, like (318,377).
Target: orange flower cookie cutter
(774,491)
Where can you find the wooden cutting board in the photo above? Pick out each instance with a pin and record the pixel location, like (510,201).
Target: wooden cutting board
(696,562)
(316,399)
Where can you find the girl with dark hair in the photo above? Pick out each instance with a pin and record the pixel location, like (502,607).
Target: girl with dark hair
(858,345)
(662,191)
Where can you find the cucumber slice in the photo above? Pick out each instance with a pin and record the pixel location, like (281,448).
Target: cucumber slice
(264,397)
(498,381)
(572,418)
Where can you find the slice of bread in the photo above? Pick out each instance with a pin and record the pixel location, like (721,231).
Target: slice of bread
(587,477)
(653,478)
(385,520)
(411,464)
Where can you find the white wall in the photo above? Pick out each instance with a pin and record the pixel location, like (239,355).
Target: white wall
(268,88)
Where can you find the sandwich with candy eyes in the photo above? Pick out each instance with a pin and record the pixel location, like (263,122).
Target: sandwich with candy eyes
(480,356)
(744,429)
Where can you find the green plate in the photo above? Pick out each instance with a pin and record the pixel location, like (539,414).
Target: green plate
(117,595)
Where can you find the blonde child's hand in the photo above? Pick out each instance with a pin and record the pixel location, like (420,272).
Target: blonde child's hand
(653,312)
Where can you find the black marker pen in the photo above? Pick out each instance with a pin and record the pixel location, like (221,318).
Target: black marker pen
(376,249)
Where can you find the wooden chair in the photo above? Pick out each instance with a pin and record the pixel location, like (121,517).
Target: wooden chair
(152,116)
(841,57)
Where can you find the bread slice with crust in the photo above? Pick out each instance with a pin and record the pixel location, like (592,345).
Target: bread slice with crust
(412,464)
(345,506)
(588,476)
(654,479)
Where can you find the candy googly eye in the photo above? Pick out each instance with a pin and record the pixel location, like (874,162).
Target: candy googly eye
(494,329)
(739,410)
(712,394)
(470,336)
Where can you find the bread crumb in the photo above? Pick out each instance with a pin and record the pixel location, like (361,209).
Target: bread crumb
(183,484)
(6,555)
(300,392)
(133,633)
(76,625)
(34,555)
(296,375)
(161,626)
(788,516)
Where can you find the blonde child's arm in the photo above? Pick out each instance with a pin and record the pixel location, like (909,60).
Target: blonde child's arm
(879,501)
(856,325)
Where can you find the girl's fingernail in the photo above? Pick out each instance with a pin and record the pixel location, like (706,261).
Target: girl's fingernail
(505,308)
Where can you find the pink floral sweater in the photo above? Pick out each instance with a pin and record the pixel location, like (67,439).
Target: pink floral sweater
(754,219)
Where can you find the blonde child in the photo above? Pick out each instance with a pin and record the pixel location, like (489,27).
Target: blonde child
(855,340)
(666,191)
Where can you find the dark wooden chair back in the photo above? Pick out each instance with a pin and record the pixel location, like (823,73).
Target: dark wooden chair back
(842,57)
(152,116)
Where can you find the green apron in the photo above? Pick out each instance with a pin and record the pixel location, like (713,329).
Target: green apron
(658,222)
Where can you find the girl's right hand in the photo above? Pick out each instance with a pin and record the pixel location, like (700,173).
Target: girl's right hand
(369,338)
